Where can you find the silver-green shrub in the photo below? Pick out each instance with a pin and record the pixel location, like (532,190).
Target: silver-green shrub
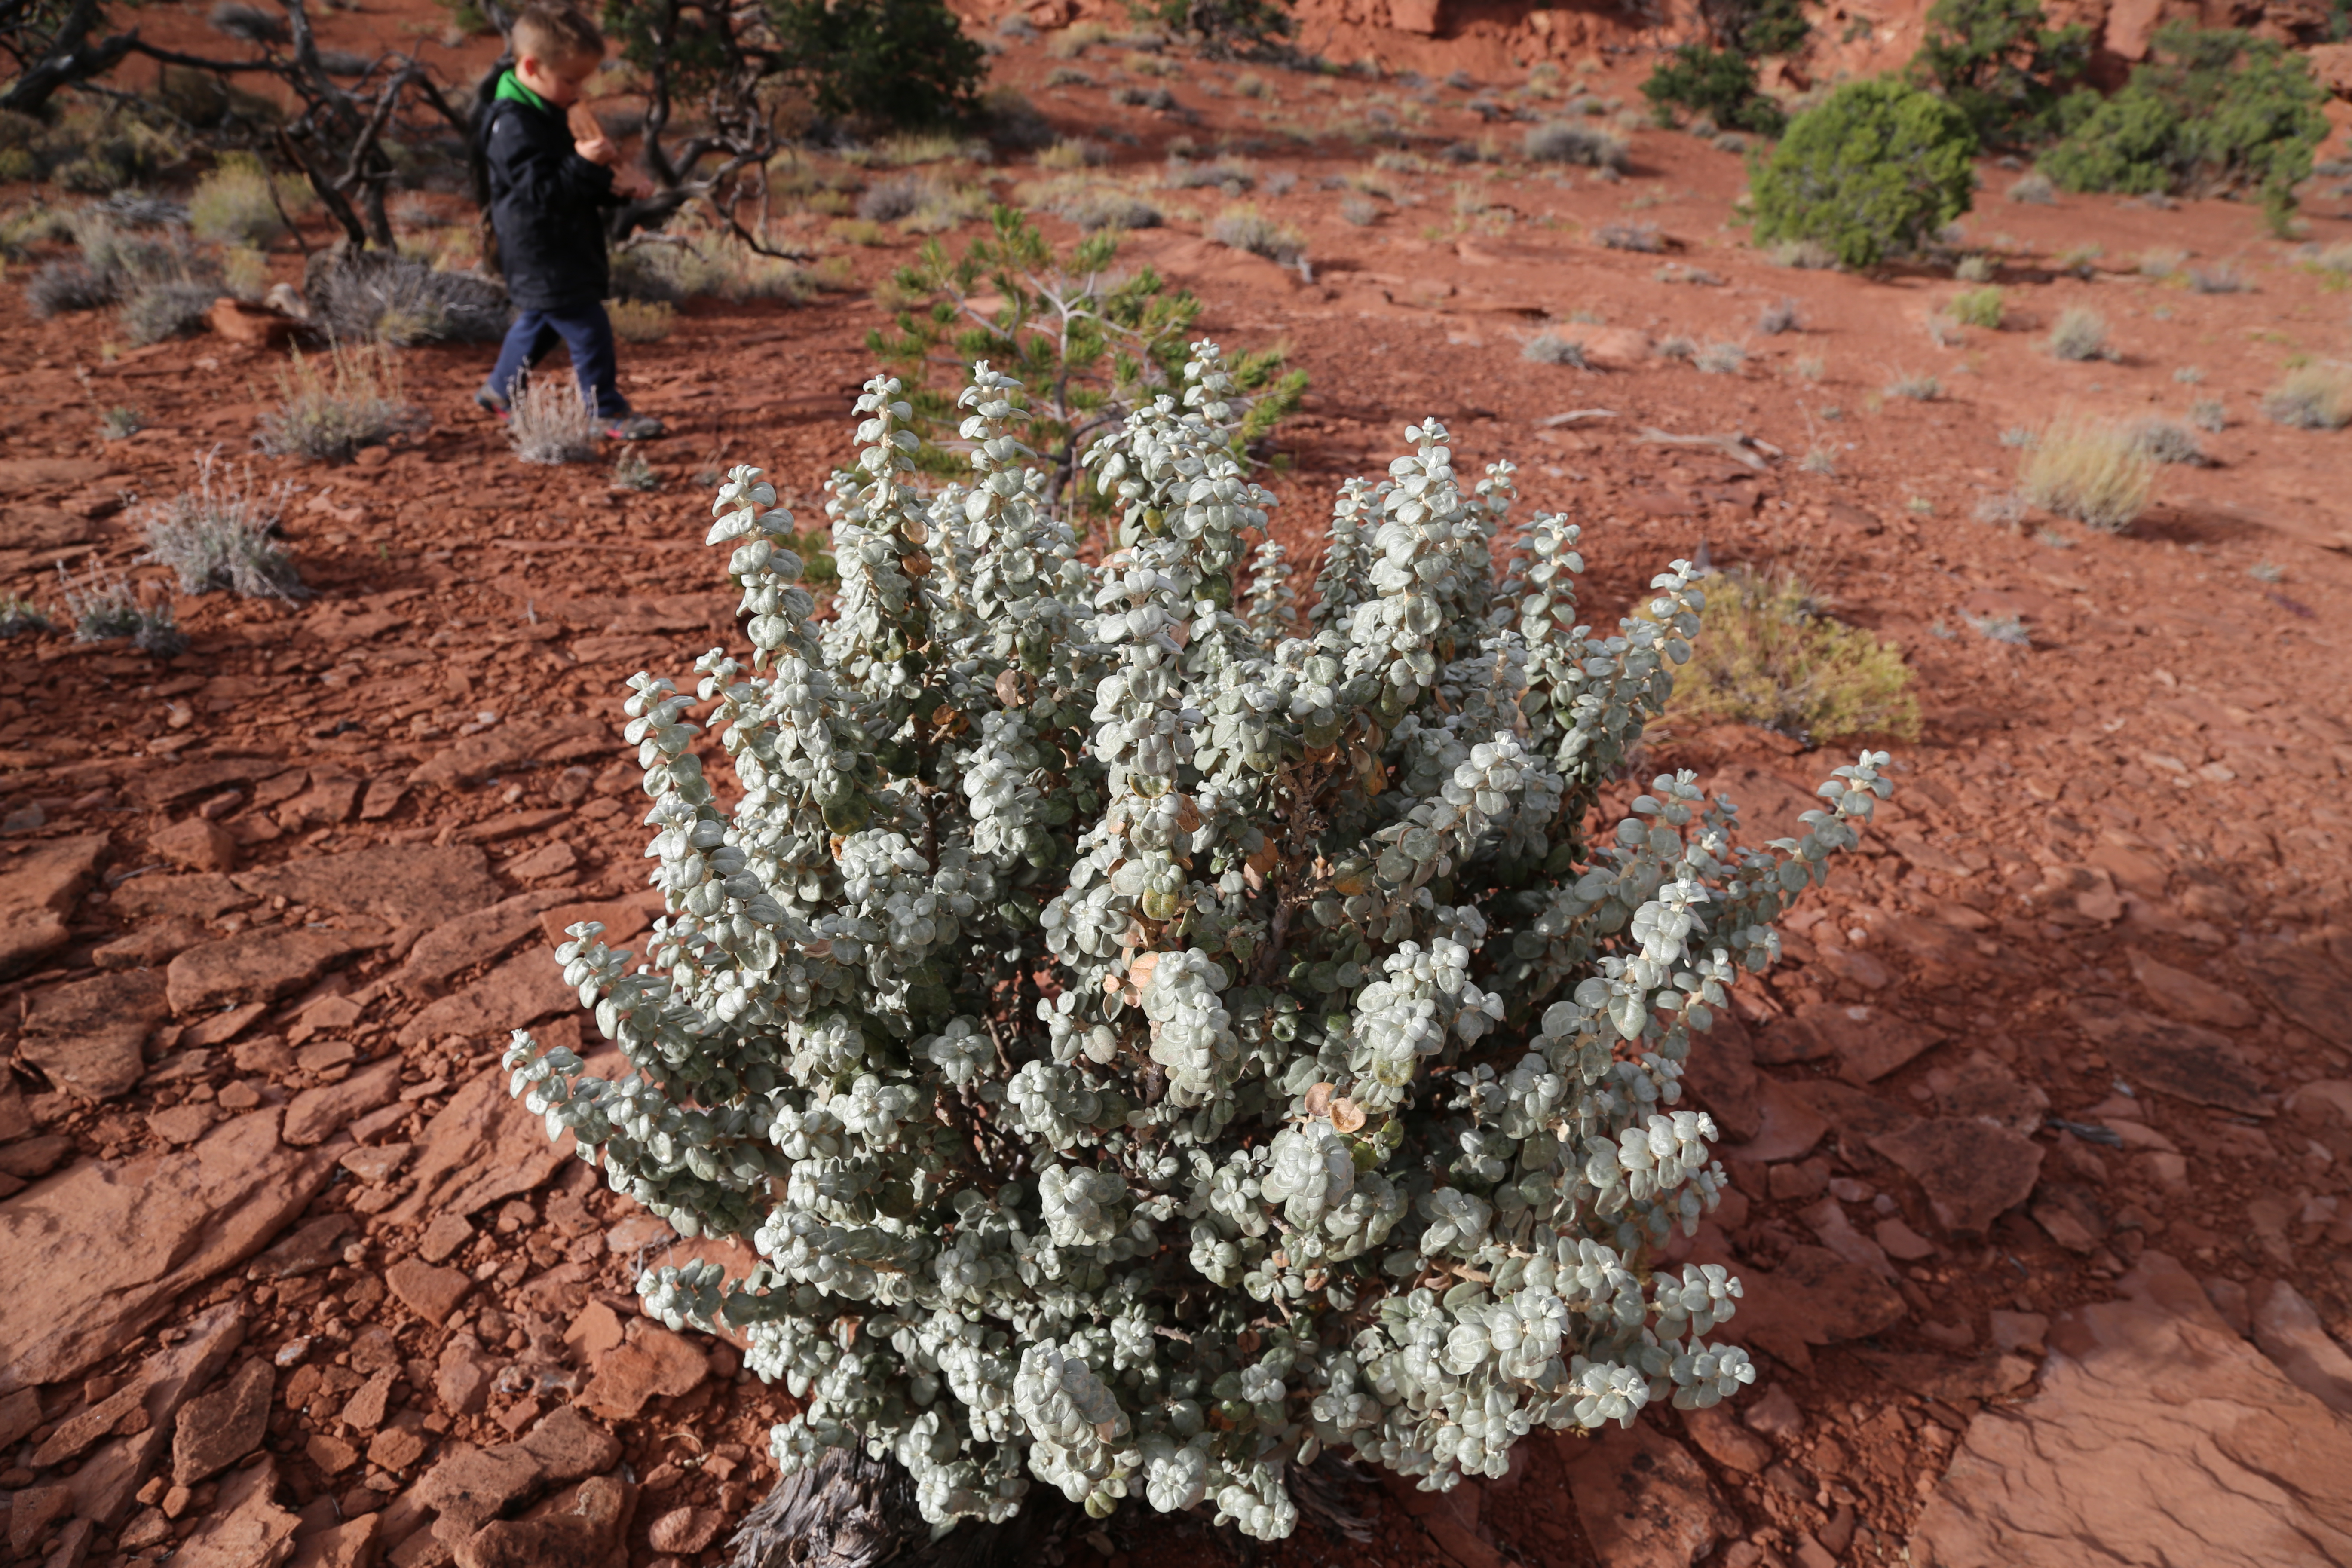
(1149,1037)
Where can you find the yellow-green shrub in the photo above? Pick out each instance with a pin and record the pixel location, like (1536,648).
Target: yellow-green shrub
(1766,655)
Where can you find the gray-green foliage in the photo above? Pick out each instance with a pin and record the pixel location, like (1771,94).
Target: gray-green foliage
(1149,1040)
(223,534)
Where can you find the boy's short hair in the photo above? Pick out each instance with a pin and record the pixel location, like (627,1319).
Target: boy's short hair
(555,32)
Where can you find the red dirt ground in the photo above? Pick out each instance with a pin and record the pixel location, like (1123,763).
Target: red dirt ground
(2154,787)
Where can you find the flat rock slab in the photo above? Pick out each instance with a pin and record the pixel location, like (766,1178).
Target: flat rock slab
(115,1245)
(2191,997)
(245,1528)
(316,1115)
(568,1447)
(48,476)
(582,1528)
(1868,1041)
(1972,1171)
(201,895)
(223,1425)
(260,966)
(108,1482)
(43,528)
(564,740)
(1855,1113)
(517,993)
(2159,1437)
(1814,1297)
(431,1293)
(1645,1502)
(1949,1378)
(1721,1071)
(2307,988)
(652,1361)
(2182,1060)
(90,1036)
(40,882)
(1786,1125)
(473,939)
(2290,1332)
(409,885)
(485,1145)
(164,786)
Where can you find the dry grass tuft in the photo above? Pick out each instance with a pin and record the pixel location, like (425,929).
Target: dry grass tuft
(550,421)
(2099,475)
(330,409)
(2314,397)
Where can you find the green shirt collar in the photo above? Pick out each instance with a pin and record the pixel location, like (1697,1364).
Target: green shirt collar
(510,87)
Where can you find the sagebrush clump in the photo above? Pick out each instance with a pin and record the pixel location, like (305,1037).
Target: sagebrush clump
(1149,1044)
(1979,307)
(1566,141)
(1554,348)
(1244,227)
(2080,333)
(223,534)
(105,606)
(373,295)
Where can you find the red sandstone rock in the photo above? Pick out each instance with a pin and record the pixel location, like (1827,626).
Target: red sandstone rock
(1971,1173)
(431,1293)
(259,965)
(2161,1436)
(350,1544)
(521,992)
(485,1145)
(568,1445)
(317,1114)
(1719,1435)
(651,1363)
(90,1036)
(223,1427)
(198,843)
(2290,1332)
(115,1243)
(1644,1501)
(586,1527)
(40,883)
(684,1531)
(245,1528)
(409,885)
(2179,1059)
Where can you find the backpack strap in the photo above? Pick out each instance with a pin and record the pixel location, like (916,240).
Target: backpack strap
(486,105)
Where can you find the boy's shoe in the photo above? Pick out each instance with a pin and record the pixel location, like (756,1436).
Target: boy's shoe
(634,427)
(490,403)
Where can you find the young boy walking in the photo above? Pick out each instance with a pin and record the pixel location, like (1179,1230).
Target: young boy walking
(545,193)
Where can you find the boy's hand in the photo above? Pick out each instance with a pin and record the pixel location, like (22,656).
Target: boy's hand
(598,149)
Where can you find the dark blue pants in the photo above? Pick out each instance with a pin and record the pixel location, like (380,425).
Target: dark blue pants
(584,330)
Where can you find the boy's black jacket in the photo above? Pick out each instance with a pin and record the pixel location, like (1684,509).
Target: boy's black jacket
(546,204)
